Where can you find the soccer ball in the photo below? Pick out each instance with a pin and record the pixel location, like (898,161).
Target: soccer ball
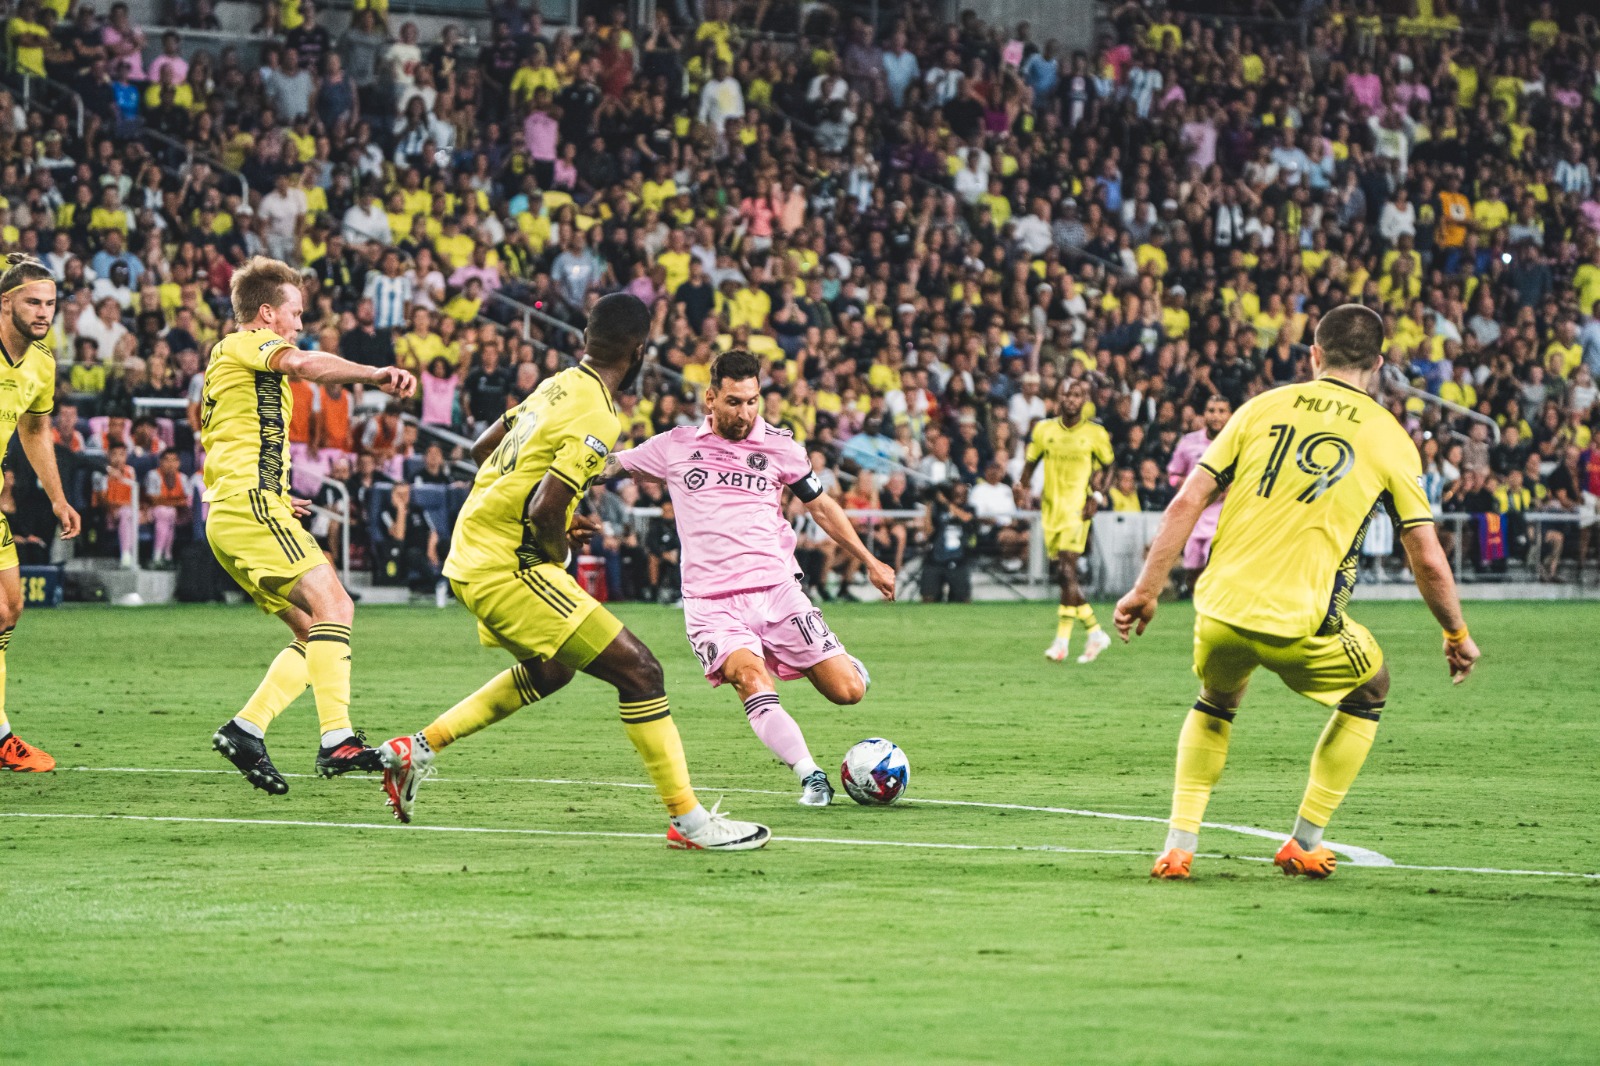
(875,772)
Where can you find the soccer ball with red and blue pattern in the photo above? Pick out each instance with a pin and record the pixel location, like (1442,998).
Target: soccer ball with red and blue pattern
(875,772)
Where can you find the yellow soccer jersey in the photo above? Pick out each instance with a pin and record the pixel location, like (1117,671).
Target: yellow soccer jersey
(244,414)
(27,387)
(566,428)
(1306,463)
(1070,456)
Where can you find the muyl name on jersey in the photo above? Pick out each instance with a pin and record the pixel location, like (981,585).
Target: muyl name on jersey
(697,478)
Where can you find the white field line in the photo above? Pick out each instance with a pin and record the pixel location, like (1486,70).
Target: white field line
(849,842)
(1356,855)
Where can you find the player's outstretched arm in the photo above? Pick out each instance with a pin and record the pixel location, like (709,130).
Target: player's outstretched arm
(827,513)
(488,441)
(332,370)
(547,511)
(1438,587)
(1138,607)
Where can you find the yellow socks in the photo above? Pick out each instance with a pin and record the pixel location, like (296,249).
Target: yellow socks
(286,678)
(5,642)
(1202,752)
(1086,616)
(328,665)
(1337,760)
(650,726)
(1066,617)
(508,692)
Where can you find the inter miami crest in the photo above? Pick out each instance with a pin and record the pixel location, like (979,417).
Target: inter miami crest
(694,479)
(756,461)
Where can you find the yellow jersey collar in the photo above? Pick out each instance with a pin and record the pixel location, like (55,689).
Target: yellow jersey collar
(15,363)
(605,390)
(1343,385)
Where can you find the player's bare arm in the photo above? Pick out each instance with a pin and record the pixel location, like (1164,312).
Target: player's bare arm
(547,510)
(328,369)
(1438,588)
(489,440)
(827,513)
(38,443)
(1138,607)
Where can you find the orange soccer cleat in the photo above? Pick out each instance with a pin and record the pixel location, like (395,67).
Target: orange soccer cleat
(15,755)
(1292,859)
(1173,866)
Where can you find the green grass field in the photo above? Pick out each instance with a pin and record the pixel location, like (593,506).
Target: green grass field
(311,928)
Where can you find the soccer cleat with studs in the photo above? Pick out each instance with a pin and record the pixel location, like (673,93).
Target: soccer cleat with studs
(815,790)
(23,758)
(1058,650)
(249,755)
(1099,641)
(1173,866)
(720,833)
(1294,860)
(407,762)
(349,754)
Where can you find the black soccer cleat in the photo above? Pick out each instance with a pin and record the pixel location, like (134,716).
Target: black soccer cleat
(249,754)
(349,754)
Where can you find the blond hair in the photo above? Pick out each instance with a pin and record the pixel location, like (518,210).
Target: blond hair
(20,270)
(259,283)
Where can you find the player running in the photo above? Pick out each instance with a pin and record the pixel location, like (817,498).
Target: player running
(27,397)
(1191,446)
(1307,464)
(507,566)
(254,527)
(1075,452)
(747,614)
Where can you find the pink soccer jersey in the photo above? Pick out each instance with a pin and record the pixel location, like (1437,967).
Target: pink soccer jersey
(1185,457)
(728,495)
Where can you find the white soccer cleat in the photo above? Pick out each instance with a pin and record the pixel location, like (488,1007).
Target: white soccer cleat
(1099,641)
(1058,650)
(719,833)
(815,790)
(407,762)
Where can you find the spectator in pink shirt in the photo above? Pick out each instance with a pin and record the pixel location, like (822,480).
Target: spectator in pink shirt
(126,42)
(1365,87)
(540,129)
(170,58)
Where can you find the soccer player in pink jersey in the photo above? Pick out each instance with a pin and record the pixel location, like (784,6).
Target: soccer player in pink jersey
(1191,446)
(747,615)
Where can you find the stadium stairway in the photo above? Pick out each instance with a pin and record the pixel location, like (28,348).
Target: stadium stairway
(128,588)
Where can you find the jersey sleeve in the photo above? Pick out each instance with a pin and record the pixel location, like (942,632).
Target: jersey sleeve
(45,401)
(257,354)
(649,458)
(1036,444)
(583,447)
(1221,458)
(1403,483)
(1104,454)
(794,470)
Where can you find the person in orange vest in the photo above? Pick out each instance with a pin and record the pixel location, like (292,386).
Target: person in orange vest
(303,423)
(166,493)
(334,426)
(113,497)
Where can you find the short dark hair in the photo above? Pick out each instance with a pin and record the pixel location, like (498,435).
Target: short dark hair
(1350,336)
(735,364)
(618,325)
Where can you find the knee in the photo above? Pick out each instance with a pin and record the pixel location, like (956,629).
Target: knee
(748,677)
(10,612)
(848,691)
(644,678)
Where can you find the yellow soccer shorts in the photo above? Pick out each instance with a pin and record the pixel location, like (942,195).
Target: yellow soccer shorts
(262,546)
(539,613)
(1324,669)
(8,546)
(1072,537)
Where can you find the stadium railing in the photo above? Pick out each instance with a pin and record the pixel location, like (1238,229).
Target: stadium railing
(1394,380)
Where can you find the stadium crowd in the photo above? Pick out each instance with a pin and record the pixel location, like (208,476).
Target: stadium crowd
(920,230)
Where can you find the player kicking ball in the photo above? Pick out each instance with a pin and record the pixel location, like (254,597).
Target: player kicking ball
(747,614)
(1075,452)
(253,525)
(27,396)
(1307,463)
(507,566)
